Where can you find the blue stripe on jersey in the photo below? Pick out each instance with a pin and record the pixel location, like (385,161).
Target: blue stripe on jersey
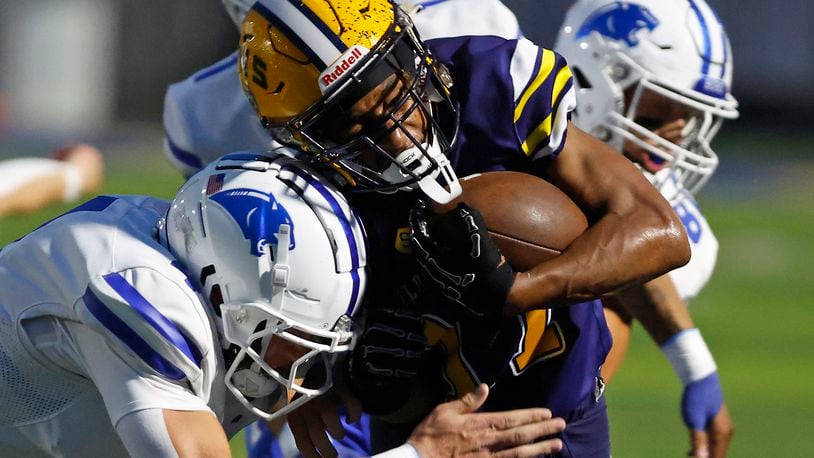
(559,148)
(291,35)
(159,322)
(538,61)
(177,265)
(430,3)
(555,111)
(121,330)
(340,215)
(96,204)
(705,32)
(541,104)
(183,155)
(215,69)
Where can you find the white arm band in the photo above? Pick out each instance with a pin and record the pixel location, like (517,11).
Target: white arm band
(405,451)
(144,434)
(73,182)
(689,356)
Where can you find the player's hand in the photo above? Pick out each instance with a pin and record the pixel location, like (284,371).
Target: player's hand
(457,254)
(707,418)
(312,422)
(386,359)
(455,429)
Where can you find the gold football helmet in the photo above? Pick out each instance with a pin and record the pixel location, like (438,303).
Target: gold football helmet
(304,63)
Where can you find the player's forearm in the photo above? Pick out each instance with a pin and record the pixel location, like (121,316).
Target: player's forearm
(658,306)
(615,253)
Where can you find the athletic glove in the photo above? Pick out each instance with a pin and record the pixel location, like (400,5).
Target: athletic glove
(458,255)
(701,402)
(386,359)
(693,363)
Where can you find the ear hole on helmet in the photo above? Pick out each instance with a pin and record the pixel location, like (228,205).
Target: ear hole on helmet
(216,298)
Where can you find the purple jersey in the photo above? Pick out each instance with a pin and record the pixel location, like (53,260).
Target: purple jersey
(514,103)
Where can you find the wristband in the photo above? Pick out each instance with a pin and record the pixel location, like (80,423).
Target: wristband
(689,356)
(73,182)
(405,451)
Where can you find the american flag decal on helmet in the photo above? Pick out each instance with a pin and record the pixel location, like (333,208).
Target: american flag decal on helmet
(215,184)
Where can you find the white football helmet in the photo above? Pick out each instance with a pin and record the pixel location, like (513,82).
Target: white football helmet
(678,49)
(277,253)
(237,9)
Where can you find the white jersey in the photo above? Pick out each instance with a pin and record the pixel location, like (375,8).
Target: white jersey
(691,278)
(208,115)
(97,321)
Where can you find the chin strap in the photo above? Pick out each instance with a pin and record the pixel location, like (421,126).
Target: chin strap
(441,185)
(253,383)
(431,186)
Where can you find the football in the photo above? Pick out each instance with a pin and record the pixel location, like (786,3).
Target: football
(529,219)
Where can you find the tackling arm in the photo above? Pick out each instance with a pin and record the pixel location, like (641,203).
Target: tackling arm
(659,307)
(635,235)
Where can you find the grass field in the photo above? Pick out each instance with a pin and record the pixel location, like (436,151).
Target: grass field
(756,315)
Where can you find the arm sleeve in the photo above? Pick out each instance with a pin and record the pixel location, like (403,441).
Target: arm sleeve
(543,99)
(126,389)
(145,435)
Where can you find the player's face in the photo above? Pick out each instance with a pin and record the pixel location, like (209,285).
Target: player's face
(666,118)
(282,353)
(389,116)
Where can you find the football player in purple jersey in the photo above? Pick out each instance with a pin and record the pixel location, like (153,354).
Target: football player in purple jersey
(353,87)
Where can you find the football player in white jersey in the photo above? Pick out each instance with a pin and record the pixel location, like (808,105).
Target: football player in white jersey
(135,326)
(653,79)
(31,183)
(207,114)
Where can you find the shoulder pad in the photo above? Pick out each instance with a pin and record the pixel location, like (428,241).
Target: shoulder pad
(154,320)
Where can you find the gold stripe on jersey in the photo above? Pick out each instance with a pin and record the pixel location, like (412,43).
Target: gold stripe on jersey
(456,370)
(546,67)
(543,130)
(540,133)
(541,342)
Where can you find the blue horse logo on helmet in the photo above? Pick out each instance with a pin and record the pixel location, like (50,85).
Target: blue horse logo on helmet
(259,216)
(619,21)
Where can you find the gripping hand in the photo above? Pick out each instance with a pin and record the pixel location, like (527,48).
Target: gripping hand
(386,359)
(458,255)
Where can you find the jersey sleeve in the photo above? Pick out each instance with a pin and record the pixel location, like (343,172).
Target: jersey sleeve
(543,99)
(155,323)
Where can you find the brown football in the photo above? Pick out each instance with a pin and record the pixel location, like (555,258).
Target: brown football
(530,219)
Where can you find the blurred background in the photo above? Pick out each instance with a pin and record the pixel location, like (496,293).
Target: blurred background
(96,71)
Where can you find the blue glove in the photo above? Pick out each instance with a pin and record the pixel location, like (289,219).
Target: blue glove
(702,400)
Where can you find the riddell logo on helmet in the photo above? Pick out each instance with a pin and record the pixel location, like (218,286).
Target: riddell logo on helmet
(346,62)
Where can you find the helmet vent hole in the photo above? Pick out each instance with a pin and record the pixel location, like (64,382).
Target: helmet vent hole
(581,79)
(279,88)
(216,299)
(206,272)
